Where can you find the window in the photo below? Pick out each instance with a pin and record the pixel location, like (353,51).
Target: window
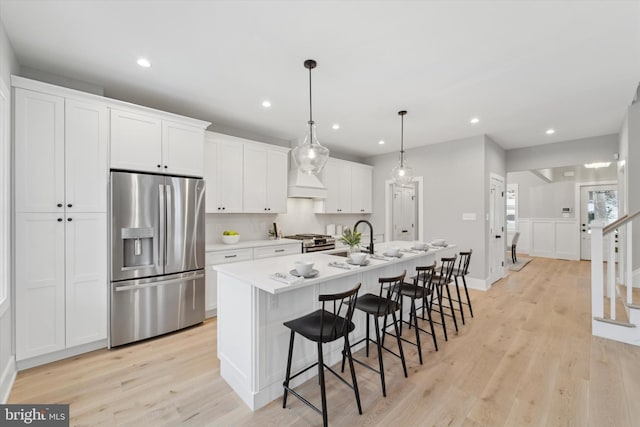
(512,206)
(5,206)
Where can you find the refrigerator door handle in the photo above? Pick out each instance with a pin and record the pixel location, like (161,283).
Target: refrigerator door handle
(168,226)
(162,225)
(159,283)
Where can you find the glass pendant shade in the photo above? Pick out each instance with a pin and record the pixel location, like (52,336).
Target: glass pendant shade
(310,156)
(402,174)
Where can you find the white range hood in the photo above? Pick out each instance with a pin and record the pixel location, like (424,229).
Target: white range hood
(304,185)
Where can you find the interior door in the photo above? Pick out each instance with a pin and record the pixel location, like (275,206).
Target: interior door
(597,203)
(497,233)
(404,213)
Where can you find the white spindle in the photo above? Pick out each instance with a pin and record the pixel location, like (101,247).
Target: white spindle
(611,269)
(629,262)
(597,278)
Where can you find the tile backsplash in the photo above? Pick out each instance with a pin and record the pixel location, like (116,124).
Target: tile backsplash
(299,218)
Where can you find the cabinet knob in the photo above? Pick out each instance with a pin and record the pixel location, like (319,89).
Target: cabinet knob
(223,208)
(59,219)
(60,205)
(69,219)
(269,209)
(69,205)
(265,209)
(165,166)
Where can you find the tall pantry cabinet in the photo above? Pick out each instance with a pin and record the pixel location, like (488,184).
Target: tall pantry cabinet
(61,173)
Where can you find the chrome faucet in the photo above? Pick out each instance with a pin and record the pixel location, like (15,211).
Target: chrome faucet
(370,233)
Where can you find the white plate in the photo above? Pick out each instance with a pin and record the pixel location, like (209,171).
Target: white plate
(312,273)
(350,261)
(400,255)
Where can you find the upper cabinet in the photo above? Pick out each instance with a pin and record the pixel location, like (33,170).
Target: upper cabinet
(60,154)
(244,176)
(223,173)
(265,178)
(149,143)
(349,188)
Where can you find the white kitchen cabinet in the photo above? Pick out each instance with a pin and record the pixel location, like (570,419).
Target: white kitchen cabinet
(147,143)
(182,149)
(361,188)
(265,179)
(277,250)
(337,179)
(349,188)
(223,173)
(39,152)
(211,287)
(85,278)
(136,141)
(40,284)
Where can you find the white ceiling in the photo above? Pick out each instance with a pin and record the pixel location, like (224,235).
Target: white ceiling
(520,66)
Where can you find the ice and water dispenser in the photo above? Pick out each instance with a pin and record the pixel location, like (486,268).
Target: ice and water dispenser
(137,247)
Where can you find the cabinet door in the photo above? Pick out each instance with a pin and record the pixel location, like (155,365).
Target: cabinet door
(182,149)
(255,185)
(40,311)
(332,182)
(136,142)
(277,170)
(39,152)
(86,278)
(361,189)
(211,176)
(344,188)
(86,157)
(230,177)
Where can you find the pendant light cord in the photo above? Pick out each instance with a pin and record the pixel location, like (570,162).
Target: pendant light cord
(310,112)
(401,140)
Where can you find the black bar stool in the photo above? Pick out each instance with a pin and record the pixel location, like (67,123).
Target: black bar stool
(461,271)
(383,304)
(330,323)
(421,288)
(441,281)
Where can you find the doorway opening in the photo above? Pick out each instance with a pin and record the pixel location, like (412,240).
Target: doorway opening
(404,212)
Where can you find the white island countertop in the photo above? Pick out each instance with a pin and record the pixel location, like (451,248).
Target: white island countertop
(256,273)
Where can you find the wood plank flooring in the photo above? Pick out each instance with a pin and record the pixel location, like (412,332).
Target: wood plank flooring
(526,359)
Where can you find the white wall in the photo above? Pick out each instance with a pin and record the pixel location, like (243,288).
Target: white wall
(565,153)
(540,199)
(454,183)
(8,65)
(299,218)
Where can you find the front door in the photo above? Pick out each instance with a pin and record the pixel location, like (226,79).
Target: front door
(496,229)
(404,213)
(597,203)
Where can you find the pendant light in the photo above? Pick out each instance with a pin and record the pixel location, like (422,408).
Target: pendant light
(310,156)
(402,174)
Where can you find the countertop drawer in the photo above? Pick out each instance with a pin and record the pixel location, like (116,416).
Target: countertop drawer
(280,250)
(233,255)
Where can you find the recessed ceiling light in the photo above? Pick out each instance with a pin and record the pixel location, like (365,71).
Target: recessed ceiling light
(474,120)
(381,142)
(266,104)
(335,126)
(143,62)
(550,131)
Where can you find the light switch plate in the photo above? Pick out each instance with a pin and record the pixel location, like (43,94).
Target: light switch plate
(469,217)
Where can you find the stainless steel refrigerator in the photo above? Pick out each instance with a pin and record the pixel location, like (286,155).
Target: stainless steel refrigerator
(157,255)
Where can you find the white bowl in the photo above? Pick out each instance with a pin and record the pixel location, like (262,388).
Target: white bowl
(358,257)
(439,242)
(392,251)
(230,240)
(419,245)
(303,267)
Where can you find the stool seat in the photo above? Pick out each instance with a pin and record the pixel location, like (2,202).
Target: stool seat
(320,326)
(412,291)
(376,305)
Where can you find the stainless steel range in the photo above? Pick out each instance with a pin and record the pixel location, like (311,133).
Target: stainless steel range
(315,242)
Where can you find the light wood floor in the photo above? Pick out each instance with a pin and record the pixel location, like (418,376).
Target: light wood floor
(527,358)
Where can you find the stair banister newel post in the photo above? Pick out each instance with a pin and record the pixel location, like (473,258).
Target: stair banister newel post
(629,261)
(597,277)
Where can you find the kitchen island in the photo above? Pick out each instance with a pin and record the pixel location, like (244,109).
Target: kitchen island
(252,340)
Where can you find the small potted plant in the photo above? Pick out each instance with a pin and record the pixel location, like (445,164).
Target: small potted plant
(351,239)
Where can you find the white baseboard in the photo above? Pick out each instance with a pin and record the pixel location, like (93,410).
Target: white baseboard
(59,355)
(7,379)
